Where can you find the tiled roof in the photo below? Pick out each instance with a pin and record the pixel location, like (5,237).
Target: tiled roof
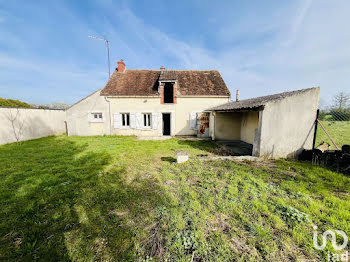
(145,83)
(132,83)
(167,75)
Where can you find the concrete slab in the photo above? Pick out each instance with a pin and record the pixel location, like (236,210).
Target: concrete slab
(232,158)
(192,138)
(236,147)
(153,137)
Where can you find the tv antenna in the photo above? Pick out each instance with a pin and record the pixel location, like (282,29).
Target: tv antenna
(107,44)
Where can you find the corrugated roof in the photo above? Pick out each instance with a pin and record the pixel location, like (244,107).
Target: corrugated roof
(256,103)
(135,82)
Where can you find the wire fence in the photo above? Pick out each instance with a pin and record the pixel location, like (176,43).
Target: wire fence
(333,129)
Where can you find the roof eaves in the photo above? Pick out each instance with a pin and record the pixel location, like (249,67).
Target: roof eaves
(240,109)
(258,101)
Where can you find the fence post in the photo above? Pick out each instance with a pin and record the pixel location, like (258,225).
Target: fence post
(315,131)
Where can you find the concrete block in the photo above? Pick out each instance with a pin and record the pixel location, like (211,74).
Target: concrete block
(182,156)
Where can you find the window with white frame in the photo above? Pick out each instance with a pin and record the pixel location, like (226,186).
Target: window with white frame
(147,120)
(96,117)
(125,119)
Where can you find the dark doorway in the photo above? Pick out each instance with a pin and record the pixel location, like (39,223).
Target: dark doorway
(166,124)
(168,93)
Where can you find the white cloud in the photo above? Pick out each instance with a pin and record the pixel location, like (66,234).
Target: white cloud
(298,21)
(302,45)
(54,80)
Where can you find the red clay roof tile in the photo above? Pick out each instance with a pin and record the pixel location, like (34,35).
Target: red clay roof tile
(145,83)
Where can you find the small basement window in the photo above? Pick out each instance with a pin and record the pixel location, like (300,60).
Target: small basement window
(146,120)
(169,93)
(125,119)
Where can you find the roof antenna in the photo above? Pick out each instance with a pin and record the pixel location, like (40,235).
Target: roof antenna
(107,44)
(237,95)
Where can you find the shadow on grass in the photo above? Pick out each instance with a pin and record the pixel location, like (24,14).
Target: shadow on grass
(168,159)
(205,145)
(58,203)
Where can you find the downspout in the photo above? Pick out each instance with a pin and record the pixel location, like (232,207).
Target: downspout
(213,128)
(110,116)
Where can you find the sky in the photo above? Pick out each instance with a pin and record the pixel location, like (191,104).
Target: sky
(259,47)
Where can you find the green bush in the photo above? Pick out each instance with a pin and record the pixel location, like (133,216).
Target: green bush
(13,103)
(322,115)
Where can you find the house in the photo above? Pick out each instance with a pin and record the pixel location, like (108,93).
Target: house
(276,126)
(155,103)
(149,103)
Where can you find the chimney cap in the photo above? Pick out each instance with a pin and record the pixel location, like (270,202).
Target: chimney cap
(162,68)
(237,95)
(121,66)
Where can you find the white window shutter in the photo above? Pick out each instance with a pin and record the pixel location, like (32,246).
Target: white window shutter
(132,120)
(154,120)
(117,119)
(193,120)
(139,121)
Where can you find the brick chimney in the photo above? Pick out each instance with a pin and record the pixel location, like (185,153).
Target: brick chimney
(121,66)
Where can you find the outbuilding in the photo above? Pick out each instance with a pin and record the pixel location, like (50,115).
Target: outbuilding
(274,126)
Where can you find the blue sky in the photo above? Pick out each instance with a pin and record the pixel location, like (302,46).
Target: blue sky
(260,47)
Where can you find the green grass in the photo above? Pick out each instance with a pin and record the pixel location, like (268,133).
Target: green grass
(117,198)
(338,130)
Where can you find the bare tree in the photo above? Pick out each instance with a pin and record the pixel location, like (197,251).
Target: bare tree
(58,105)
(341,100)
(16,123)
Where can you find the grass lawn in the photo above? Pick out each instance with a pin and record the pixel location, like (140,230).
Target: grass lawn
(338,130)
(117,198)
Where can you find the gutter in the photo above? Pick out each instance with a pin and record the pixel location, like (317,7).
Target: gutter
(110,117)
(180,96)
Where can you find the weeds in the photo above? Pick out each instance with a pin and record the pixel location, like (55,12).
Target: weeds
(112,198)
(293,215)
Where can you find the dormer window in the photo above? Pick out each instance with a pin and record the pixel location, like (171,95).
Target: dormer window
(169,93)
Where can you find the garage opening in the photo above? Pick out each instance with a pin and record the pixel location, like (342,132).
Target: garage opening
(169,93)
(166,124)
(237,131)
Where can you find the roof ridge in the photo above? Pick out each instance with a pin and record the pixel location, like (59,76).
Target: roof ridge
(146,81)
(278,94)
(140,69)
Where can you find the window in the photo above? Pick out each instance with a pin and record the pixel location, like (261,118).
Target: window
(147,120)
(169,93)
(125,119)
(96,117)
